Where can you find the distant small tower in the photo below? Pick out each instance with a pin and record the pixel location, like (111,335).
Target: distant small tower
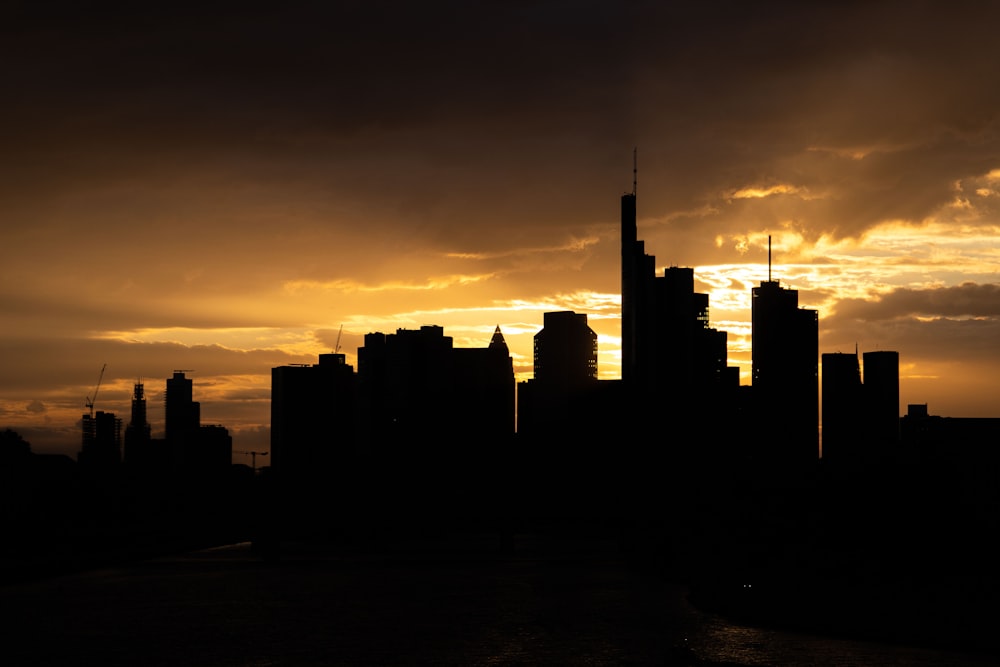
(138,433)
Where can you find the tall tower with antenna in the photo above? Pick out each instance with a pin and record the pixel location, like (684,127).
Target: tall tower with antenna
(633,259)
(785,373)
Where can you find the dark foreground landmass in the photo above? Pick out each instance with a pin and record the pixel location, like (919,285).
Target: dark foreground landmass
(901,566)
(564,593)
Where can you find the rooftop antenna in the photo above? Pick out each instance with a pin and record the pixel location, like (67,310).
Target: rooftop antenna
(768,258)
(635,168)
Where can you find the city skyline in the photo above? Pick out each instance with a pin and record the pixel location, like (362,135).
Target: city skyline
(225,195)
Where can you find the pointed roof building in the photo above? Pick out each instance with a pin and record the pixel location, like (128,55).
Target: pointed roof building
(498,342)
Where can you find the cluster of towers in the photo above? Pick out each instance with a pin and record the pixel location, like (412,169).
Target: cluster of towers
(420,406)
(188,448)
(677,390)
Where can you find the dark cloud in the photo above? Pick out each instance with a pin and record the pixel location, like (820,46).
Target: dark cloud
(968,300)
(958,324)
(80,361)
(428,110)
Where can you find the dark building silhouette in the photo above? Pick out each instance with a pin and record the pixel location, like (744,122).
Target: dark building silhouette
(953,459)
(860,416)
(555,402)
(415,386)
(785,342)
(139,447)
(212,456)
(312,418)
(405,382)
(421,424)
(634,263)
(484,392)
(182,418)
(569,425)
(192,452)
(675,368)
(881,402)
(565,350)
(842,405)
(102,441)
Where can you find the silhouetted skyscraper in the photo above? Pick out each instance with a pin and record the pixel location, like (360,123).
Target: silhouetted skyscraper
(561,400)
(182,421)
(312,417)
(405,382)
(484,392)
(674,366)
(634,260)
(138,433)
(102,442)
(881,393)
(565,350)
(182,414)
(785,342)
(842,403)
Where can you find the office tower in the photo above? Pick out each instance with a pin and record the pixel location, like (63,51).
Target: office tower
(435,422)
(312,416)
(881,393)
(415,386)
(182,420)
(785,351)
(565,350)
(484,392)
(633,259)
(138,433)
(182,414)
(102,442)
(564,401)
(672,360)
(842,403)
(404,387)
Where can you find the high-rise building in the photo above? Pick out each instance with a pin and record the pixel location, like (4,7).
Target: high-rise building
(785,351)
(842,403)
(102,442)
(565,350)
(860,410)
(138,433)
(484,391)
(672,360)
(881,393)
(312,416)
(415,386)
(182,414)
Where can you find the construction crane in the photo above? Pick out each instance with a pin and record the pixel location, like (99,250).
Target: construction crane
(253,457)
(336,349)
(91,399)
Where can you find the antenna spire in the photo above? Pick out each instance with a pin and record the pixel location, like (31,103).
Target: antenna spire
(635,168)
(768,258)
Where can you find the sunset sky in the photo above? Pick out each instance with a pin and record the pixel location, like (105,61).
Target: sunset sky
(222,189)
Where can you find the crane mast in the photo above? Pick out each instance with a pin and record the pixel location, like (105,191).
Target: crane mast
(91,399)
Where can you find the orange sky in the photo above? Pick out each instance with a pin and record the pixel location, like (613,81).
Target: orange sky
(222,190)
